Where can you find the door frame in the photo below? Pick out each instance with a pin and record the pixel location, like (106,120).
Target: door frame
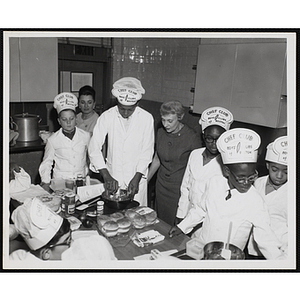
(83,53)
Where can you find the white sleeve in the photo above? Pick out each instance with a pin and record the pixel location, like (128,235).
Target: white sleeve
(100,131)
(195,216)
(147,151)
(47,163)
(183,203)
(265,238)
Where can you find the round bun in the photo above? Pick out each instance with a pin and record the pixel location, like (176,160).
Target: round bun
(139,221)
(102,219)
(116,216)
(151,217)
(143,210)
(124,225)
(131,213)
(110,228)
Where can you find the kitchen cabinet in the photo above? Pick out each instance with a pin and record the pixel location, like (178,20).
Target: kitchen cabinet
(247,78)
(33,69)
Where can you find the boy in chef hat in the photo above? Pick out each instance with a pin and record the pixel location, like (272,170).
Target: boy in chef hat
(203,163)
(232,199)
(49,236)
(130,132)
(67,147)
(42,229)
(273,189)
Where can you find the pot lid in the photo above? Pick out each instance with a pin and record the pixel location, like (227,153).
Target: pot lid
(25,115)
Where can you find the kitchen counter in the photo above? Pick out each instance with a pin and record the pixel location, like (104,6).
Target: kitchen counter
(28,155)
(21,147)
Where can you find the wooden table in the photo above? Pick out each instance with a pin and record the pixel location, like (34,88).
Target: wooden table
(130,250)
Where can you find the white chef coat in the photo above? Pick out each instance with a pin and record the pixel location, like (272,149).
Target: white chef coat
(244,210)
(194,179)
(69,156)
(129,151)
(277,206)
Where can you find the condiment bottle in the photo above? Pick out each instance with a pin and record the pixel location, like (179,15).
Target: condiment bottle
(100,208)
(79,180)
(70,203)
(63,204)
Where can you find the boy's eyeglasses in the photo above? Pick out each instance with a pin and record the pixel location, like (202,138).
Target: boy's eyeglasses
(250,179)
(209,139)
(67,242)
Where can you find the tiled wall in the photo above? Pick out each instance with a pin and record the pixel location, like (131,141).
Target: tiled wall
(163,65)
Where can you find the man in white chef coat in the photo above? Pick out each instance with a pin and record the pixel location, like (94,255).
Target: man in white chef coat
(130,141)
(232,199)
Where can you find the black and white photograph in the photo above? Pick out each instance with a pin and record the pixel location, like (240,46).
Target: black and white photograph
(149,150)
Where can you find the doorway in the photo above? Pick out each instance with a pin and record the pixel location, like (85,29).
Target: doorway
(80,65)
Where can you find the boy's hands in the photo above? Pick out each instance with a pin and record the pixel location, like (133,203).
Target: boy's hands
(175,231)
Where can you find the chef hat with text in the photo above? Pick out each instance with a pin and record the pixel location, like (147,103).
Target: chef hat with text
(65,101)
(216,116)
(128,90)
(37,223)
(239,145)
(278,151)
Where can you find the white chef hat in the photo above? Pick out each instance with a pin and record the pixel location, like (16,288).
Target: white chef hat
(128,90)
(278,151)
(65,101)
(216,116)
(239,145)
(36,222)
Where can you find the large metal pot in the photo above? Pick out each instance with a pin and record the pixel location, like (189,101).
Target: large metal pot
(212,251)
(27,126)
(116,204)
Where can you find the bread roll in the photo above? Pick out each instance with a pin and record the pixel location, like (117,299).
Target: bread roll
(124,225)
(139,221)
(116,216)
(151,217)
(102,219)
(110,228)
(130,213)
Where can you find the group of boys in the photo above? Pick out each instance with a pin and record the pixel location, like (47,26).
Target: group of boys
(255,207)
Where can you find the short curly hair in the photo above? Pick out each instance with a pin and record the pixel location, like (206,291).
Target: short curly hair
(172,107)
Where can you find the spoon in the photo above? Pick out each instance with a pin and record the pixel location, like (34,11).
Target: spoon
(226,253)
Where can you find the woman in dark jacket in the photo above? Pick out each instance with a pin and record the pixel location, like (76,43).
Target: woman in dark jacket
(174,143)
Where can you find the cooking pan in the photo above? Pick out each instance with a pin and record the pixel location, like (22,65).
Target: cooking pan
(119,203)
(27,126)
(212,251)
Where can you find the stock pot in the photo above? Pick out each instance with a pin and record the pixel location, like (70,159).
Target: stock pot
(27,125)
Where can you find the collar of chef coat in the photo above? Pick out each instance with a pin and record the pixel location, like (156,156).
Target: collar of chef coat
(204,154)
(69,135)
(270,187)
